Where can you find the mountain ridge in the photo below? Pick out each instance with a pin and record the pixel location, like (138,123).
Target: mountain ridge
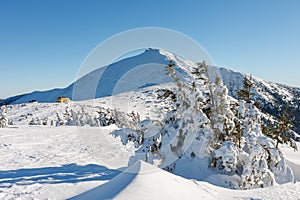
(147,69)
(159,57)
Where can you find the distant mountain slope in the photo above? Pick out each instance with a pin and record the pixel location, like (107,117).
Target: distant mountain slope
(125,75)
(273,97)
(45,96)
(131,73)
(147,69)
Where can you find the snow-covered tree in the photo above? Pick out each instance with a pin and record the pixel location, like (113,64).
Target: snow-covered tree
(60,121)
(203,124)
(278,129)
(226,157)
(264,164)
(67,115)
(221,117)
(182,131)
(245,93)
(102,118)
(32,122)
(123,120)
(76,117)
(3,118)
(133,120)
(45,121)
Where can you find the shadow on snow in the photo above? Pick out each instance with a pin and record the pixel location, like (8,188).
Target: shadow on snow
(112,188)
(70,173)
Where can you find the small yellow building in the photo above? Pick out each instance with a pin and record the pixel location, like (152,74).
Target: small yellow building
(62,100)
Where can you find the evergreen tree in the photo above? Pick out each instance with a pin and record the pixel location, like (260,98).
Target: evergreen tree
(59,120)
(201,72)
(186,125)
(134,119)
(45,121)
(245,93)
(75,116)
(38,121)
(278,130)
(67,116)
(32,122)
(202,124)
(3,118)
(284,125)
(182,104)
(220,115)
(102,119)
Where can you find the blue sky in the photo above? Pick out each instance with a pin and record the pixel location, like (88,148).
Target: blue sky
(43,43)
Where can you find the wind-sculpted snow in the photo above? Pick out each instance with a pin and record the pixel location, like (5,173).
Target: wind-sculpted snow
(145,181)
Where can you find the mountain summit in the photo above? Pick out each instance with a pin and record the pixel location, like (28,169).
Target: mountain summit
(139,71)
(148,68)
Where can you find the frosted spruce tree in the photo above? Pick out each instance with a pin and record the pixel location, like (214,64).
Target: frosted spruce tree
(60,121)
(221,117)
(225,143)
(185,132)
(263,163)
(3,118)
(278,129)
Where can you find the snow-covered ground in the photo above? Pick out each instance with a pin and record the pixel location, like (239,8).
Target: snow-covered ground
(58,162)
(53,163)
(144,99)
(48,162)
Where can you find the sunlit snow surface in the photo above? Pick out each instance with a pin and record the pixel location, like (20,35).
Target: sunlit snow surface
(52,163)
(42,162)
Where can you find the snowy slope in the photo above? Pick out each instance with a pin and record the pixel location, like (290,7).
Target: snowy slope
(273,97)
(41,96)
(42,162)
(143,99)
(53,163)
(144,181)
(128,74)
(113,79)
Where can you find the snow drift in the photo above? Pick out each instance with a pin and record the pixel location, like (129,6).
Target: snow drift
(145,181)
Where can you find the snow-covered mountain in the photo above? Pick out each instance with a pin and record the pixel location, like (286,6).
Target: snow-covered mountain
(148,69)
(162,109)
(274,98)
(139,71)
